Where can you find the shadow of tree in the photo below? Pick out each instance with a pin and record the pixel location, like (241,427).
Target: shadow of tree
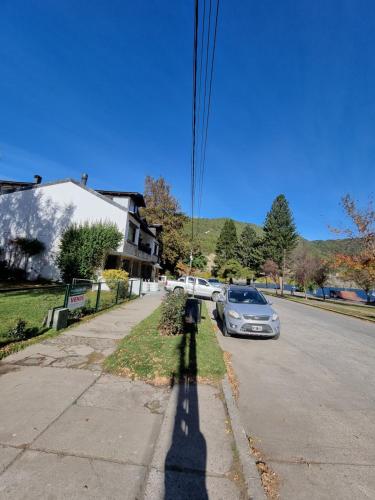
(185,463)
(32,214)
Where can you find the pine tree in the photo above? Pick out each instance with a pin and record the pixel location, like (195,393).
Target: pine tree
(248,249)
(226,245)
(280,235)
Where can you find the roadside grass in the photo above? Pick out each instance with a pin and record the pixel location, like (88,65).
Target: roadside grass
(357,311)
(149,356)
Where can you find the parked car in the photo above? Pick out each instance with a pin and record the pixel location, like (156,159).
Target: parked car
(216,282)
(198,287)
(244,310)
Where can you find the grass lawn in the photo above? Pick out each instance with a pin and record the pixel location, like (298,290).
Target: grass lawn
(31,306)
(357,311)
(147,355)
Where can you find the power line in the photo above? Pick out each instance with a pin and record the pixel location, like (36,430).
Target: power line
(193,152)
(204,99)
(205,125)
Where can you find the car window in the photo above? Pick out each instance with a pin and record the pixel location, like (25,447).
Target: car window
(202,282)
(191,280)
(246,297)
(181,279)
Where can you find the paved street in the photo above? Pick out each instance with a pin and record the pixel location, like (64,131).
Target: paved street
(308,399)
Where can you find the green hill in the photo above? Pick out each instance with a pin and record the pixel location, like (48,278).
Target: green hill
(208,231)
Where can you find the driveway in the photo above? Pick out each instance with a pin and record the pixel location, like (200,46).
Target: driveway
(308,400)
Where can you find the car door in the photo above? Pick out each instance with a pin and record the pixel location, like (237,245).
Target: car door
(203,288)
(190,285)
(220,304)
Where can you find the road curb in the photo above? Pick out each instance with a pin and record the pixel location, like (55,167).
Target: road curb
(252,479)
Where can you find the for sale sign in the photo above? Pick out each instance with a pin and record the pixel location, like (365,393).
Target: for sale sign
(76,301)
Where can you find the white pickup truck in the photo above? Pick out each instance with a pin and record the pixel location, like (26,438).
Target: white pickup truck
(194,286)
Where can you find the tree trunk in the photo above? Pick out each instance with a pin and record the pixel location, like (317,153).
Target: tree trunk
(281,282)
(324,296)
(305,293)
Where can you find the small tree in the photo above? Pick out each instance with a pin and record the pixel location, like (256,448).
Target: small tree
(304,267)
(359,267)
(83,249)
(321,274)
(271,269)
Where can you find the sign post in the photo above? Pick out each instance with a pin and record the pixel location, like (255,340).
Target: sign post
(75,297)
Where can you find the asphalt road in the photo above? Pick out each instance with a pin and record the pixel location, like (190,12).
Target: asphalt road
(308,399)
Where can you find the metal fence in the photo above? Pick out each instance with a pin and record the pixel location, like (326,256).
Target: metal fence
(32,304)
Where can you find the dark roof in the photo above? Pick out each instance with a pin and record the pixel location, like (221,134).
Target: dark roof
(137,197)
(242,287)
(9,186)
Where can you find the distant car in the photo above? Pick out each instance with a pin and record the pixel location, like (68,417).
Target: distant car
(215,282)
(191,285)
(245,311)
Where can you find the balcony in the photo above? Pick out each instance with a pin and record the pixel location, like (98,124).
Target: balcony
(141,252)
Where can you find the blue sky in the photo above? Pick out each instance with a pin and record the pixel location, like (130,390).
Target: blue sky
(105,87)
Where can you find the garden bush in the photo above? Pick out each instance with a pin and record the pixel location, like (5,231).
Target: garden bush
(113,276)
(18,331)
(172,314)
(117,277)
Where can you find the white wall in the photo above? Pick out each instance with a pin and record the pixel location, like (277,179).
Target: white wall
(44,212)
(122,200)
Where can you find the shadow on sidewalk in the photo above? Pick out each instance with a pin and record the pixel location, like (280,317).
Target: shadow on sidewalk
(185,463)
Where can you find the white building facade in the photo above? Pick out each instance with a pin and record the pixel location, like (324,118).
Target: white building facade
(44,211)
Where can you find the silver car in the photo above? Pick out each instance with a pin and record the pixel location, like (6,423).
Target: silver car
(245,311)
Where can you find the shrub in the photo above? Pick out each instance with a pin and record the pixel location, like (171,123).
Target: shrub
(83,249)
(172,314)
(18,331)
(113,276)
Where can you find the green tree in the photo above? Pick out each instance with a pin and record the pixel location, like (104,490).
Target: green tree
(84,248)
(248,249)
(226,246)
(231,269)
(163,208)
(280,235)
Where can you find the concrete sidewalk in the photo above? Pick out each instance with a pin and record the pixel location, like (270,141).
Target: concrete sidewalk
(68,430)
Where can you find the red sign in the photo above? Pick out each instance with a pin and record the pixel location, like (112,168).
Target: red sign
(76,301)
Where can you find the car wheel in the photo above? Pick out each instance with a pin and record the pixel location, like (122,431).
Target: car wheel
(178,290)
(225,329)
(215,296)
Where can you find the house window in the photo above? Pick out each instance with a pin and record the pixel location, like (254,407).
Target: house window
(132,232)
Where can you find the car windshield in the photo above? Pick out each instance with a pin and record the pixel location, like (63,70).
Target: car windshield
(246,297)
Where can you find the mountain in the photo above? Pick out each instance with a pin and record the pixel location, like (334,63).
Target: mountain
(208,230)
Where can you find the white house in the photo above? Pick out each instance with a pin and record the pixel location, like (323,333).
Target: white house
(44,211)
